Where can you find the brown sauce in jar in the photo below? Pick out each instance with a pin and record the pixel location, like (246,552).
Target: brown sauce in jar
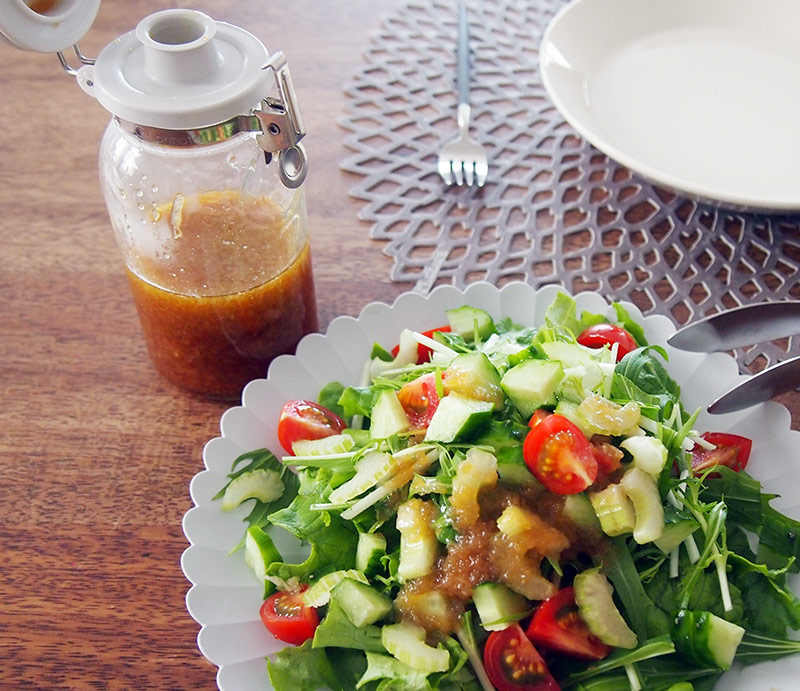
(213,322)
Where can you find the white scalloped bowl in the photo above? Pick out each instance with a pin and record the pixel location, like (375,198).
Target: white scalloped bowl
(225,596)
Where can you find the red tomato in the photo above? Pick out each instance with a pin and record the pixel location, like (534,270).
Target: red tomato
(560,455)
(557,625)
(306,420)
(731,450)
(608,456)
(599,335)
(420,400)
(537,417)
(423,352)
(288,618)
(513,664)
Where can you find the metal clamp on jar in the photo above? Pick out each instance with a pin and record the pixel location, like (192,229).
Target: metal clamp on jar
(202,174)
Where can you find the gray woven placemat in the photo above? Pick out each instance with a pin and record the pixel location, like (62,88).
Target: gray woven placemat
(554,210)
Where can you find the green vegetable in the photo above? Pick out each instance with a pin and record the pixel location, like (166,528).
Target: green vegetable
(457,418)
(388,416)
(259,553)
(532,384)
(642,491)
(498,606)
(469,322)
(371,548)
(406,642)
(361,603)
(594,596)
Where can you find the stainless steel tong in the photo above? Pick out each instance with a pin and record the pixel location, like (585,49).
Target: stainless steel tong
(741,326)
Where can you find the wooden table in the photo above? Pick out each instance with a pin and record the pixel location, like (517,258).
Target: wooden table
(96,450)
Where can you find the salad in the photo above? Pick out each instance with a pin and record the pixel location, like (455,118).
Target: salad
(504,507)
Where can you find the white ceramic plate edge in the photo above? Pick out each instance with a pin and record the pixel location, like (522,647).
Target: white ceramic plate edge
(224,596)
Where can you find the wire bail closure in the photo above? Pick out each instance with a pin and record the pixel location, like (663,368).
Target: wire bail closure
(282,125)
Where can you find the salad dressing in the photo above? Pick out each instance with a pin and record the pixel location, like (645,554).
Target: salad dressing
(211,322)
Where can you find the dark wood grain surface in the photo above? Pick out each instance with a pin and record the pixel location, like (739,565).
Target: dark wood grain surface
(96,450)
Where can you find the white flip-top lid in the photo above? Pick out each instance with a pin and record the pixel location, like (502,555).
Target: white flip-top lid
(46,26)
(180,69)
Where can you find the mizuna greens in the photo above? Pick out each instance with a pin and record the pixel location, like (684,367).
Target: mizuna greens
(439,452)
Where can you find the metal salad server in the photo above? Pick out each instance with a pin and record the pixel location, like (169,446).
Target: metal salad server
(463,159)
(739,327)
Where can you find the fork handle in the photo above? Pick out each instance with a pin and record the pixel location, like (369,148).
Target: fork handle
(462,55)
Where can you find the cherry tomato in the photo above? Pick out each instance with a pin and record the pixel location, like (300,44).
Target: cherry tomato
(513,664)
(731,450)
(288,618)
(537,417)
(599,335)
(560,455)
(420,400)
(557,625)
(423,352)
(306,420)
(609,457)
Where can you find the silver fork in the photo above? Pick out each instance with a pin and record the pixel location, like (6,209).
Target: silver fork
(463,159)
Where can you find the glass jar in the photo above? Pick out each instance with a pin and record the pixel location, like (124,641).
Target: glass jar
(202,172)
(217,256)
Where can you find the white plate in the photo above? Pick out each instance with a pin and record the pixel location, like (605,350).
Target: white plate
(225,597)
(698,96)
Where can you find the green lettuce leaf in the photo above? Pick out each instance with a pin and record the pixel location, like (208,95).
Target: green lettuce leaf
(304,668)
(336,630)
(333,540)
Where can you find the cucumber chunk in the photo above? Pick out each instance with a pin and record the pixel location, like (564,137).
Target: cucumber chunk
(263,484)
(388,417)
(320,593)
(327,446)
(531,384)
(418,544)
(498,606)
(474,376)
(706,639)
(259,553)
(361,603)
(594,596)
(457,418)
(369,552)
(722,638)
(466,321)
(406,642)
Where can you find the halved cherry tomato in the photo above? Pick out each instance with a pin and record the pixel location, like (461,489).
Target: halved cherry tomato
(513,664)
(420,400)
(560,455)
(288,618)
(557,625)
(537,417)
(423,352)
(306,420)
(731,450)
(609,457)
(599,335)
